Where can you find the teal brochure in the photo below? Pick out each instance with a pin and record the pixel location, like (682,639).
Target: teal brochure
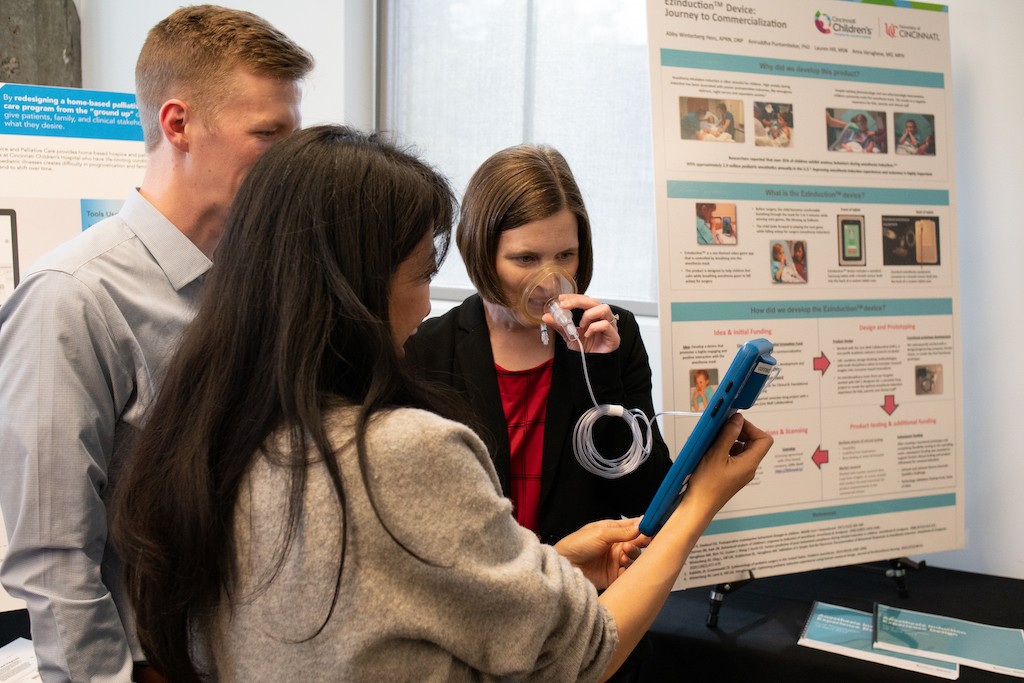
(992,648)
(845,631)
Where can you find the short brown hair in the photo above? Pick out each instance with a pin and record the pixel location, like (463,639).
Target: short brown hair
(516,186)
(192,52)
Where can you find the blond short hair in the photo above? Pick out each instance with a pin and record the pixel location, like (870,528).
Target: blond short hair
(190,55)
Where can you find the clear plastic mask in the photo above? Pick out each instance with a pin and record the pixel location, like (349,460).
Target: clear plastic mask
(541,292)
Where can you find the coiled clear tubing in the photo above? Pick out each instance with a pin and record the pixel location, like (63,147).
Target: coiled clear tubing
(539,296)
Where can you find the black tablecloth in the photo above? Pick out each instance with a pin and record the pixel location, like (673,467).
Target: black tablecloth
(13,625)
(759,624)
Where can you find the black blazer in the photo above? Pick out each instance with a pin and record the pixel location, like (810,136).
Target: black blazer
(455,349)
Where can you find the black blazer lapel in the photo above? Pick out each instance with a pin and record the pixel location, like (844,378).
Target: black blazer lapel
(474,365)
(558,421)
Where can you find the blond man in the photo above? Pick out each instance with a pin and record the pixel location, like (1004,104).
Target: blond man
(85,337)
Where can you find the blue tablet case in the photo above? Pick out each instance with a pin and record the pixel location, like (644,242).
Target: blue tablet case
(742,384)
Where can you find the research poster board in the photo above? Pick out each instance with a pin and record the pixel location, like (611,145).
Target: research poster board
(804,189)
(68,159)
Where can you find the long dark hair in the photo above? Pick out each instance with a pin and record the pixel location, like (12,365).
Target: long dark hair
(294,319)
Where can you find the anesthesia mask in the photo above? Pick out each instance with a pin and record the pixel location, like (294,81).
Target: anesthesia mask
(540,295)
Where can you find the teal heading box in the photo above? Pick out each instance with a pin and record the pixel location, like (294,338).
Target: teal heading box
(796,68)
(685,189)
(707,311)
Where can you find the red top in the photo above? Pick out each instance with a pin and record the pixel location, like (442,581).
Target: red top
(524,397)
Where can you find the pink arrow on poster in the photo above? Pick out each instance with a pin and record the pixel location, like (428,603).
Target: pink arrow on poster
(821,363)
(890,404)
(820,457)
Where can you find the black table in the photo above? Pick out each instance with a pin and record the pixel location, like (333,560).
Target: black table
(13,625)
(759,625)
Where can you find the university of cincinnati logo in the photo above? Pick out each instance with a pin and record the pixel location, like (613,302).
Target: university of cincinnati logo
(890,30)
(823,22)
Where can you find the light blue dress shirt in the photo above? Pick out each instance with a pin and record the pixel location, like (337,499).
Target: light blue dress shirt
(84,342)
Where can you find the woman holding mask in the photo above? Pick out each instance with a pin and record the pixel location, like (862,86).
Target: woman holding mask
(522,217)
(298,507)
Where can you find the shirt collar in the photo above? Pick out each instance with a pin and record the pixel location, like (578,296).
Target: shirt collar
(180,259)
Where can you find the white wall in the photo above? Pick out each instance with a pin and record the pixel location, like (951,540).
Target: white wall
(336,33)
(989,148)
(987,98)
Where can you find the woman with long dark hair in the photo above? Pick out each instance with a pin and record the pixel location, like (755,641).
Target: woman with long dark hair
(297,506)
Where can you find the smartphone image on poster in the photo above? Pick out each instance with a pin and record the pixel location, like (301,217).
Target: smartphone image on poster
(851,240)
(8,253)
(926,241)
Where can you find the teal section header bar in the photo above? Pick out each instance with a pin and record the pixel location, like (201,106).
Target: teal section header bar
(705,311)
(684,189)
(827,514)
(46,111)
(796,68)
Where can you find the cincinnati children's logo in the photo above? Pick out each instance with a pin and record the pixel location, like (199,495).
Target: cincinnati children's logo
(823,22)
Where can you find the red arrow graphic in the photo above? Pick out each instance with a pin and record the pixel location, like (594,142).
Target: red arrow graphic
(890,404)
(820,457)
(821,363)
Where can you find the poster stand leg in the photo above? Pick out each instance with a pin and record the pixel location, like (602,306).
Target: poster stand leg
(718,594)
(897,571)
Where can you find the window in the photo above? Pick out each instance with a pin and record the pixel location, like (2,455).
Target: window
(465,78)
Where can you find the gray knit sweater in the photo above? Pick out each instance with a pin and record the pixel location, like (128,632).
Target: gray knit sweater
(491,604)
